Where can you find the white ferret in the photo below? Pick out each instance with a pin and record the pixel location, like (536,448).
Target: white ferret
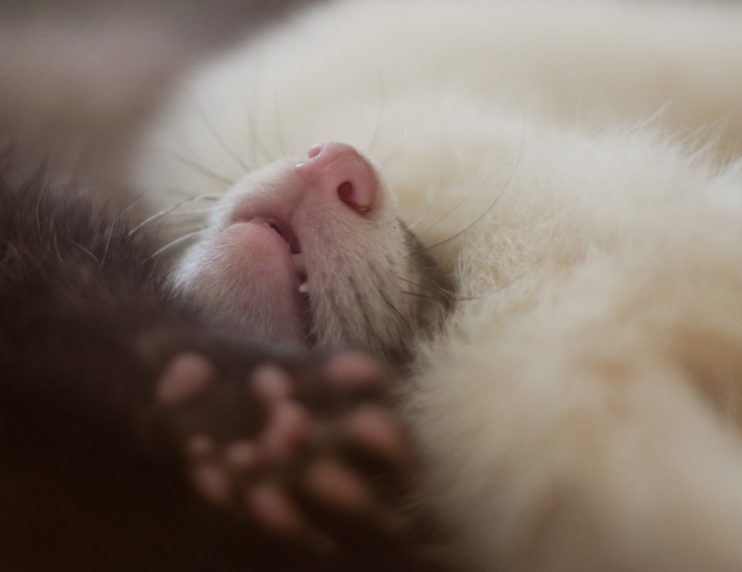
(572,166)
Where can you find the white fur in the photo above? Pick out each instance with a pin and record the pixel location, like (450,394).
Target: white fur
(581,411)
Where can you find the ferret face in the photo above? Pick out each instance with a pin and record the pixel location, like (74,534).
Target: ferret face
(309,252)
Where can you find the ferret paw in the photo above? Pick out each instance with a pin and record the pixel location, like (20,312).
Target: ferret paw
(312,453)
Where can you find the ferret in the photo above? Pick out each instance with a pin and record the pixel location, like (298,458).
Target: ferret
(139,429)
(573,169)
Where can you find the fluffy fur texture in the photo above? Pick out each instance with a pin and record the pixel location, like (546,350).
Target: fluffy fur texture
(572,166)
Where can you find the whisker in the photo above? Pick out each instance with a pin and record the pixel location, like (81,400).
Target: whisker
(107,247)
(401,319)
(465,198)
(431,200)
(359,300)
(495,201)
(194,211)
(204,116)
(189,194)
(56,244)
(379,114)
(85,250)
(419,295)
(433,283)
(176,229)
(249,93)
(279,126)
(163,212)
(175,242)
(446,294)
(204,170)
(253,136)
(128,205)
(41,197)
(258,142)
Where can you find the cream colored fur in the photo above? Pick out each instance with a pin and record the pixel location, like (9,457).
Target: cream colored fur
(581,412)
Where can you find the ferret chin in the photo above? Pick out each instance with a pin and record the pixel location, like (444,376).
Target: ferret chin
(578,409)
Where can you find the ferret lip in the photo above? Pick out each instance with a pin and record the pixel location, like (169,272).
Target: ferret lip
(280,226)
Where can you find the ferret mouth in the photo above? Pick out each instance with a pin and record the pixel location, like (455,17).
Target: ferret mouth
(289,237)
(303,299)
(283,230)
(297,258)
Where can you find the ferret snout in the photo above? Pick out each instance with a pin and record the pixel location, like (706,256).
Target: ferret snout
(341,173)
(310,252)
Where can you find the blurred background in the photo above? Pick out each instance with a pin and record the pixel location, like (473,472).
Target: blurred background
(78,78)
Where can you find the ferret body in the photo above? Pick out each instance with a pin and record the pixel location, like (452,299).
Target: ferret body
(573,168)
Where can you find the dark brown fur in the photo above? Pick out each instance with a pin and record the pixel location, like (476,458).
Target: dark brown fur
(90,477)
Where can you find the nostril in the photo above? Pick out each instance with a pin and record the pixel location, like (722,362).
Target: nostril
(340,171)
(347,193)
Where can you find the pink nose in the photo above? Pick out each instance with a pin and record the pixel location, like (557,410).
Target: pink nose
(340,171)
